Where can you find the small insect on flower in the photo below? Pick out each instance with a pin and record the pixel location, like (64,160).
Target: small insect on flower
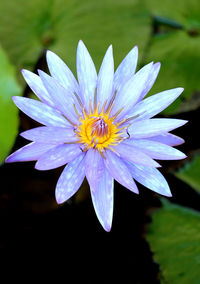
(100,127)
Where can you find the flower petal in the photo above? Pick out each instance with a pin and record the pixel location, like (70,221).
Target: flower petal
(126,69)
(152,127)
(60,71)
(40,112)
(150,178)
(151,79)
(94,168)
(70,179)
(168,138)
(63,98)
(86,73)
(156,150)
(128,152)
(102,199)
(36,85)
(130,92)
(119,171)
(50,135)
(155,104)
(30,152)
(58,156)
(105,77)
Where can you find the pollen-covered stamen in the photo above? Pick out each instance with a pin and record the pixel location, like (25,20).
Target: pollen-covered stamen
(99,127)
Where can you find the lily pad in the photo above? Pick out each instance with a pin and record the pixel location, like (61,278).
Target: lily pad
(8,112)
(177,52)
(174,237)
(29,27)
(190,173)
(175,43)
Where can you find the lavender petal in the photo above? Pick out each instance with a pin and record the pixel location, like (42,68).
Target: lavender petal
(102,199)
(30,152)
(168,138)
(126,69)
(119,171)
(129,152)
(58,156)
(86,73)
(94,168)
(105,78)
(151,79)
(40,112)
(154,104)
(50,135)
(152,127)
(60,71)
(156,150)
(130,92)
(70,179)
(150,178)
(63,98)
(36,85)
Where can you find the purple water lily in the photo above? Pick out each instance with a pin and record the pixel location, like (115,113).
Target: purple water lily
(100,127)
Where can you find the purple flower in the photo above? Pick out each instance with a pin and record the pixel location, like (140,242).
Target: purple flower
(100,127)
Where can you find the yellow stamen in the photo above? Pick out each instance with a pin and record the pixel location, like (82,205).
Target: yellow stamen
(98,130)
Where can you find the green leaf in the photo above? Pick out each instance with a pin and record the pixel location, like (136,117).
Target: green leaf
(190,173)
(175,45)
(174,237)
(177,52)
(184,12)
(29,27)
(8,112)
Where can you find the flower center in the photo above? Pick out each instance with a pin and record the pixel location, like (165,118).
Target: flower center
(98,131)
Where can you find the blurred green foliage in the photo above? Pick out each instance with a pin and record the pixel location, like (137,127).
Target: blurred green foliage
(8,112)
(167,31)
(190,173)
(174,236)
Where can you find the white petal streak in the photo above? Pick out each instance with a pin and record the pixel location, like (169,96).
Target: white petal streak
(156,150)
(86,73)
(151,178)
(119,171)
(152,127)
(63,98)
(40,112)
(36,85)
(130,92)
(105,78)
(102,199)
(94,168)
(60,71)
(30,152)
(155,104)
(58,156)
(70,179)
(51,135)
(126,69)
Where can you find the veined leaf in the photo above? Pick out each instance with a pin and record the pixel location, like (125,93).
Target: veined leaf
(174,237)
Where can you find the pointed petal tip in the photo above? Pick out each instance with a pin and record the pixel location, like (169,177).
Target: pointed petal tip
(23,71)
(107,227)
(157,64)
(81,43)
(60,199)
(38,167)
(9,159)
(168,194)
